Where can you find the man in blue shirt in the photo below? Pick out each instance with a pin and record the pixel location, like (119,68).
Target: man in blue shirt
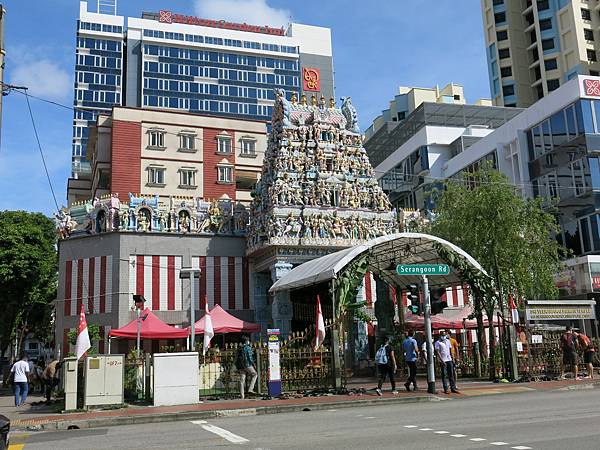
(411,349)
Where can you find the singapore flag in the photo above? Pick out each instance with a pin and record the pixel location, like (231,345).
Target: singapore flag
(83,337)
(319,326)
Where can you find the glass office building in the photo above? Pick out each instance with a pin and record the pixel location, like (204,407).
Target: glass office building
(211,67)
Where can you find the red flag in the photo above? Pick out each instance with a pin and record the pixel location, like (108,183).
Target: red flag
(319,326)
(83,337)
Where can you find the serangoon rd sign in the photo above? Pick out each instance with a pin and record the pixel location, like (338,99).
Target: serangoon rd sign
(166,16)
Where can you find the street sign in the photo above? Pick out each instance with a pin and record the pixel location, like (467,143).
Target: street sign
(423,269)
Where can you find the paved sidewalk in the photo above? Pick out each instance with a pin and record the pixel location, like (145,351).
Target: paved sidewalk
(38,416)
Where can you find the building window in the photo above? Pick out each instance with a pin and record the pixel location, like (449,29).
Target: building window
(542,5)
(156,138)
(552,85)
(506,71)
(501,35)
(550,64)
(547,44)
(503,53)
(225,174)
(187,142)
(248,147)
(588,34)
(578,176)
(187,178)
(585,14)
(594,73)
(156,176)
(497,2)
(591,55)
(500,17)
(508,90)
(223,144)
(545,24)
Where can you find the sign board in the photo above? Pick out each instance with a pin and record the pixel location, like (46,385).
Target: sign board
(274,383)
(560,310)
(311,79)
(423,269)
(166,16)
(537,338)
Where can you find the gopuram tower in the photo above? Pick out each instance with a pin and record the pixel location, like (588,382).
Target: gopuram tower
(317,195)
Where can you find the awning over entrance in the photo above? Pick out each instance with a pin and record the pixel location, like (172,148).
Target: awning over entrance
(385,253)
(223,322)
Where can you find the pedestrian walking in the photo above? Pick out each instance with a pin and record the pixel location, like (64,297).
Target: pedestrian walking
(50,377)
(455,349)
(411,351)
(444,353)
(386,365)
(245,365)
(587,347)
(20,373)
(568,345)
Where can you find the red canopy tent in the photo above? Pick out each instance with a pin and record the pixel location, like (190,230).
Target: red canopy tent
(456,319)
(151,328)
(223,322)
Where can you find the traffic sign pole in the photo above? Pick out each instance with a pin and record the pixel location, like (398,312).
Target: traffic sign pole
(428,335)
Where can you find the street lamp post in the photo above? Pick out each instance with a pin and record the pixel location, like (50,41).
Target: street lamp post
(192,274)
(428,335)
(139,305)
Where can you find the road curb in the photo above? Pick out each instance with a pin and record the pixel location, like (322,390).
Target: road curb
(100,422)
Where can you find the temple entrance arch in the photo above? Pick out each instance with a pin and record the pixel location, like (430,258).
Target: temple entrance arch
(339,273)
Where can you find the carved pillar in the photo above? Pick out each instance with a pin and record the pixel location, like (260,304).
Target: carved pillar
(282,306)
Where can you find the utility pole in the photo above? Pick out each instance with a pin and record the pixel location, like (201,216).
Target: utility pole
(2,53)
(428,335)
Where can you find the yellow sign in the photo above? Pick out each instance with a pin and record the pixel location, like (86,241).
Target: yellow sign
(559,312)
(94,363)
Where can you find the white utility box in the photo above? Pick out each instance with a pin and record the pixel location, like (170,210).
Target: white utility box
(69,383)
(176,378)
(104,380)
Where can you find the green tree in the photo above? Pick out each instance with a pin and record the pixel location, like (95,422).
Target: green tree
(510,236)
(28,274)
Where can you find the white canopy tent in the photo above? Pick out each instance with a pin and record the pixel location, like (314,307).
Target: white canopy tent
(385,253)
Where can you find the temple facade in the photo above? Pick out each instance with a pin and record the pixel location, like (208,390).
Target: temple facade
(316,194)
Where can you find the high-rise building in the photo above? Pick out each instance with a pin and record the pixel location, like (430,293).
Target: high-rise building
(178,62)
(533,47)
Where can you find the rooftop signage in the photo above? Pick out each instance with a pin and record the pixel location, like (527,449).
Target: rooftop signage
(170,17)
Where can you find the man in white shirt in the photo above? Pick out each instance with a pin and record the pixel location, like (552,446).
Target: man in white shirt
(20,371)
(443,350)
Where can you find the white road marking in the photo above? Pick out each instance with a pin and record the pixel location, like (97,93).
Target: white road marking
(498,443)
(228,435)
(332,410)
(425,429)
(442,432)
(521,447)
(458,435)
(410,426)
(477,439)
(370,417)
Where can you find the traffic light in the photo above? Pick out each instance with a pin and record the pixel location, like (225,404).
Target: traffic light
(437,304)
(412,294)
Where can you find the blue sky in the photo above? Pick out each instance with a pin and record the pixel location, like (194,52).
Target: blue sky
(377,46)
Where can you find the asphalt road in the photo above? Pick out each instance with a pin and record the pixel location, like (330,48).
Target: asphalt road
(566,419)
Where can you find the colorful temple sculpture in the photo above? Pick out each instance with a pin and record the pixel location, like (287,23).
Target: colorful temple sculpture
(317,194)
(150,214)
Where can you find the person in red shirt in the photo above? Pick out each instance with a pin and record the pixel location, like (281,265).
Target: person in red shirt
(587,346)
(568,345)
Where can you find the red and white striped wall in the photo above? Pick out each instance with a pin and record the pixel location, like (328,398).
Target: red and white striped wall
(88,283)
(223,279)
(157,279)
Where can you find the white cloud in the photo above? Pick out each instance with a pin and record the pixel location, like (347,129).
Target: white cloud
(43,77)
(255,12)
